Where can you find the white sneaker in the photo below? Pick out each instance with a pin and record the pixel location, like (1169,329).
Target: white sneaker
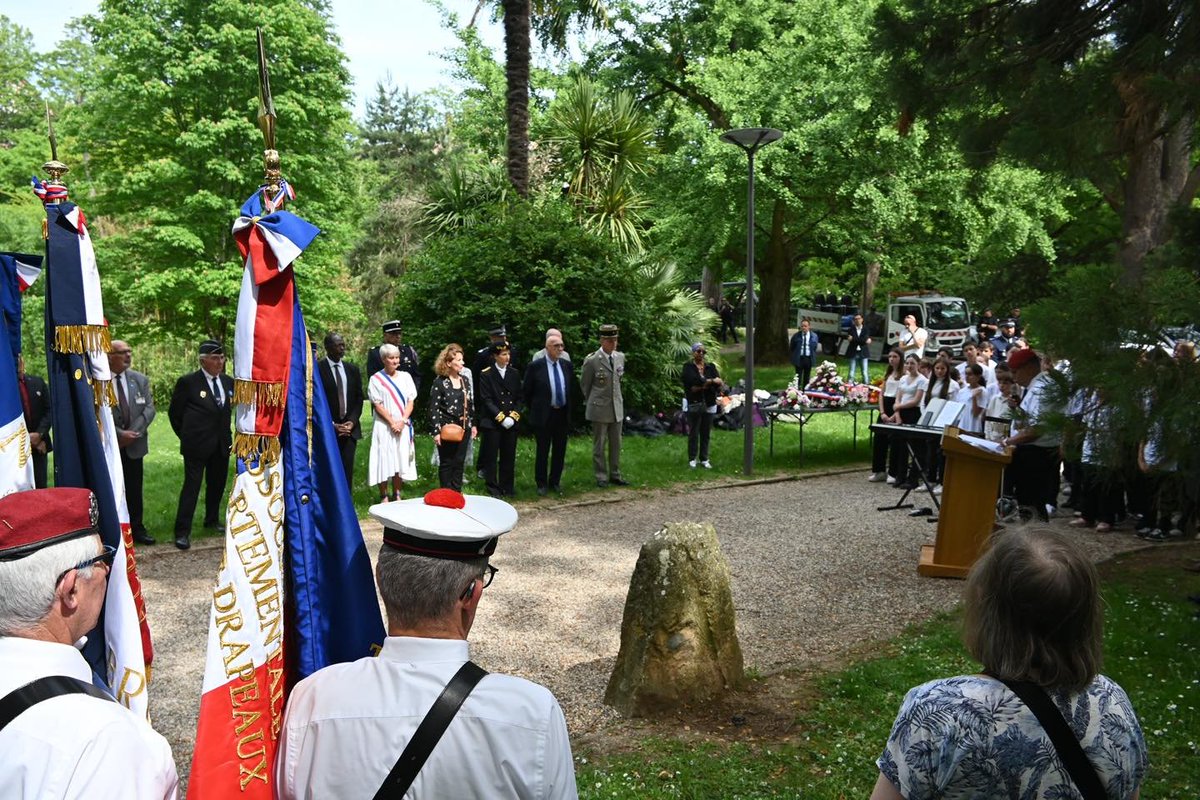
(692,463)
(706,465)
(891,479)
(877,477)
(937,489)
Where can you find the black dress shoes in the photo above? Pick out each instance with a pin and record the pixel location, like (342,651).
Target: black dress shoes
(602,484)
(183,542)
(541,491)
(219,527)
(144,538)
(619,482)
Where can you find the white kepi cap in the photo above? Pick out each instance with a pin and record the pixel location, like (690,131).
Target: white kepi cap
(445,524)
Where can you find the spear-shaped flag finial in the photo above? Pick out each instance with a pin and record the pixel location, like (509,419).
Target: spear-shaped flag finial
(55,168)
(266,121)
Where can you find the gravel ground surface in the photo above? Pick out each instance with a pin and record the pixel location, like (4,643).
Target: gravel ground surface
(817,573)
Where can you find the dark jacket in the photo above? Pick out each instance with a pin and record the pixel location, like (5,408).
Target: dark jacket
(858,342)
(202,426)
(38,420)
(693,384)
(498,397)
(446,404)
(537,390)
(354,394)
(794,346)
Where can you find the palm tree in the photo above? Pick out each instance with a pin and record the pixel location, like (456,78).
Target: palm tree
(552,19)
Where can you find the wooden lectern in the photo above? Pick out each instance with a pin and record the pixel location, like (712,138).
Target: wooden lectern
(970,488)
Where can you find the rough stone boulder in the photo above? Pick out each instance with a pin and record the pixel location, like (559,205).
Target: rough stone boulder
(678,641)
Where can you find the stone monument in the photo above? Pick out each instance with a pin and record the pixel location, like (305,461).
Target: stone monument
(678,640)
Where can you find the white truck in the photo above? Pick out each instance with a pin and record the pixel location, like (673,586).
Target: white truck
(947,319)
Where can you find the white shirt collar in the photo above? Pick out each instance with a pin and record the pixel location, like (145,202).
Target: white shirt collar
(414,649)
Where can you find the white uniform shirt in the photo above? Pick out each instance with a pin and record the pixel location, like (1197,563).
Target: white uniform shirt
(907,388)
(346,725)
(1036,403)
(76,746)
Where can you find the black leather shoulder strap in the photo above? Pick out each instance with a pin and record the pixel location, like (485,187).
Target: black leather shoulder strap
(430,731)
(19,700)
(1062,737)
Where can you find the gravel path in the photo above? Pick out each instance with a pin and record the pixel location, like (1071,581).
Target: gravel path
(817,572)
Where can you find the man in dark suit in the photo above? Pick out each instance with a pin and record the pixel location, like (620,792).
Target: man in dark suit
(803,348)
(35,401)
(499,390)
(393,334)
(344,390)
(132,416)
(200,415)
(858,349)
(549,393)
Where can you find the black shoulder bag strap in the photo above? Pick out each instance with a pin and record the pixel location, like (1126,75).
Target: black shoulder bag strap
(430,731)
(1062,737)
(19,700)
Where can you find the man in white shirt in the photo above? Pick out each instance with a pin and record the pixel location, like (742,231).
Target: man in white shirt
(913,339)
(65,738)
(1035,464)
(346,726)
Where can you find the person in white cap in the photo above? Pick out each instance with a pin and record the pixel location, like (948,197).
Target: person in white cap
(380,726)
(60,735)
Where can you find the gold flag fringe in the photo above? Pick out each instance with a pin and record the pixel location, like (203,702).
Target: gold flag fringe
(252,446)
(258,393)
(104,393)
(81,339)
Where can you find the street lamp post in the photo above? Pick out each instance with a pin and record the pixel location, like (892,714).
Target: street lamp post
(750,140)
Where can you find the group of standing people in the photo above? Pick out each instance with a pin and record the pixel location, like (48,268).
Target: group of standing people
(489,403)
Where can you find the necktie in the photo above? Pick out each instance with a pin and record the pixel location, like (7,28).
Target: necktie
(25,404)
(340,388)
(217,393)
(556,381)
(123,400)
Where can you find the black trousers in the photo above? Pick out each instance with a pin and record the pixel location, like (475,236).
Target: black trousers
(804,370)
(452,457)
(727,325)
(499,445)
(1101,490)
(131,468)
(699,429)
(907,469)
(1034,473)
(40,464)
(347,445)
(213,471)
(880,445)
(551,449)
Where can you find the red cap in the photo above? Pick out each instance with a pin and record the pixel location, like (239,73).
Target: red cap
(39,518)
(1019,358)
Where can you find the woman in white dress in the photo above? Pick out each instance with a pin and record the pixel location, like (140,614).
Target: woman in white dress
(393,452)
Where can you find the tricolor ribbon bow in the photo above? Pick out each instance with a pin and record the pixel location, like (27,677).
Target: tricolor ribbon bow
(47,193)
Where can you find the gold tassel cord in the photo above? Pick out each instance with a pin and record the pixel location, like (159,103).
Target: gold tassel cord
(253,447)
(81,339)
(258,393)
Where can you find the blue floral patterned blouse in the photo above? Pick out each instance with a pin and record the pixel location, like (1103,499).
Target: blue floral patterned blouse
(970,737)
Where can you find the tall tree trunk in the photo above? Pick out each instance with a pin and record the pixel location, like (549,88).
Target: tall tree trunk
(775,300)
(870,281)
(1159,155)
(710,285)
(516,108)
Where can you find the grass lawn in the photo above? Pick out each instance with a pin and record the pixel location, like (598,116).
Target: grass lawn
(1151,650)
(646,462)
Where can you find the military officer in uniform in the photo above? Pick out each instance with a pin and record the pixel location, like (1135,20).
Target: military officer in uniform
(499,391)
(200,416)
(601,384)
(393,334)
(484,355)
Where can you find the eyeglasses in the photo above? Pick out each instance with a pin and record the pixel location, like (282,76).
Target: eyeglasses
(106,558)
(701,352)
(122,352)
(489,572)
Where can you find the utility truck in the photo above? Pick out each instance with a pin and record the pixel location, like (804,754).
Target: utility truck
(946,319)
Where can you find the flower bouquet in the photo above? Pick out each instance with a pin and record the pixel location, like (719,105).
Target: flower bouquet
(826,389)
(793,397)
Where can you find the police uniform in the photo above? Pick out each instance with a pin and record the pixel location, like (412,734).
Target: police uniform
(408,355)
(601,384)
(499,400)
(346,725)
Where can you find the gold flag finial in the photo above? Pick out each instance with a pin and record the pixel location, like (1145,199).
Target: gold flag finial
(54,167)
(266,121)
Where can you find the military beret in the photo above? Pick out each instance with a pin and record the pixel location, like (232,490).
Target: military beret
(39,518)
(1019,358)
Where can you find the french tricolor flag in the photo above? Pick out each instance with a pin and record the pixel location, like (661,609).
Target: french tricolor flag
(17,273)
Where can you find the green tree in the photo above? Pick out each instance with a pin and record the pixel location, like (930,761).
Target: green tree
(1102,91)
(175,150)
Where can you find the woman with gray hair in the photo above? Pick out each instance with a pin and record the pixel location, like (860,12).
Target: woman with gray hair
(393,450)
(1040,721)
